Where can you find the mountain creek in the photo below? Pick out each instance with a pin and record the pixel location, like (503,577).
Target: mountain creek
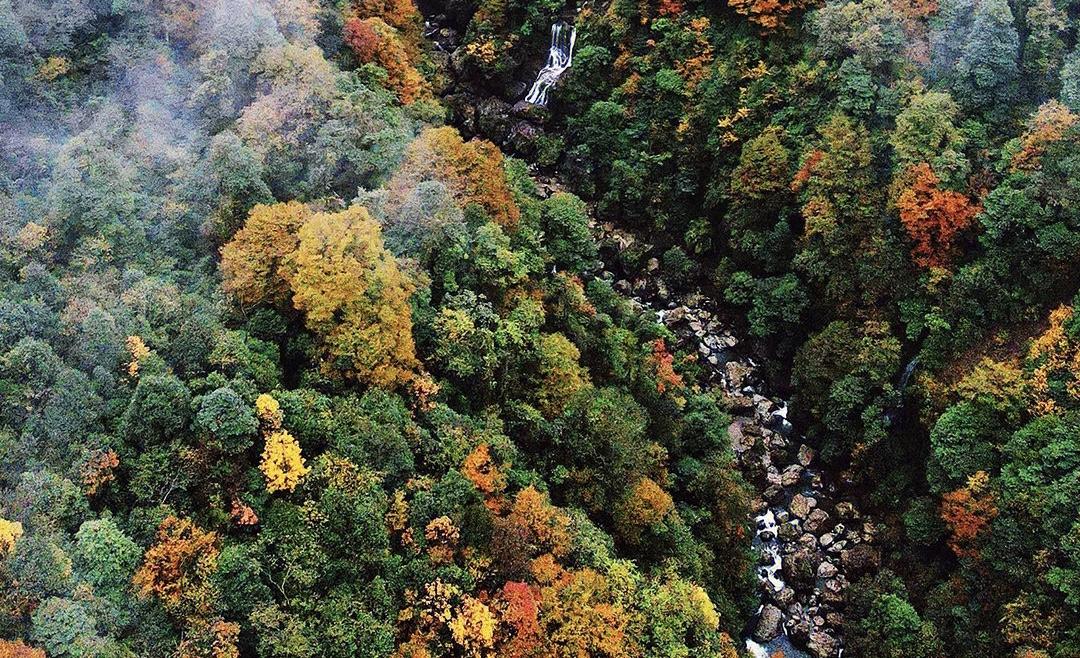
(809,537)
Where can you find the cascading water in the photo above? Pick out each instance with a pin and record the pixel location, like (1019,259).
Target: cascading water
(560,58)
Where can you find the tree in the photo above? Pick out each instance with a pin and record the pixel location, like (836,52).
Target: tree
(17,649)
(932,217)
(228,421)
(769,15)
(373,41)
(987,71)
(565,222)
(926,133)
(562,375)
(962,443)
(354,296)
(472,171)
(177,569)
(252,263)
(968,512)
(895,630)
(281,462)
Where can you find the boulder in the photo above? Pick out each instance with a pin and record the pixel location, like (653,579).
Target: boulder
(816,521)
(859,559)
(826,570)
(846,511)
(823,645)
(768,626)
(805,455)
(801,505)
(791,475)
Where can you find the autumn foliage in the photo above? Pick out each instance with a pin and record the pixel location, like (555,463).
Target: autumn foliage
(373,41)
(769,15)
(16,649)
(473,171)
(932,217)
(968,512)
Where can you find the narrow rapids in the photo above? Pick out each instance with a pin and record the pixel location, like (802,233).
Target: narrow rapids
(560,58)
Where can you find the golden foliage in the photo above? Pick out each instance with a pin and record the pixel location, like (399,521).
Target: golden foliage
(1053,353)
(282,464)
(645,505)
(562,377)
(472,171)
(138,351)
(473,627)
(442,538)
(769,15)
(177,568)
(1048,125)
(98,470)
(968,512)
(252,263)
(10,532)
(269,411)
(355,297)
(16,649)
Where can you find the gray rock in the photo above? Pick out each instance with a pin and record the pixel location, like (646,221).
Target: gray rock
(816,521)
(826,570)
(823,645)
(801,505)
(768,626)
(791,475)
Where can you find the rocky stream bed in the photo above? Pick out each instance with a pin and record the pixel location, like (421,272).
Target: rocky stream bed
(811,540)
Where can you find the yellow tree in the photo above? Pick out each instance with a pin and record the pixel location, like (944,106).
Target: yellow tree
(355,297)
(251,263)
(472,171)
(282,464)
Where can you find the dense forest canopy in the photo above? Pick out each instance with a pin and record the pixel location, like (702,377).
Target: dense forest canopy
(314,342)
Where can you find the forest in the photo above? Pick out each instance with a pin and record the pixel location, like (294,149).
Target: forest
(539,328)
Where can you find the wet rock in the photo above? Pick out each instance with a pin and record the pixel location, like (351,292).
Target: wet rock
(788,531)
(801,505)
(805,455)
(493,119)
(826,570)
(859,559)
(816,521)
(823,645)
(800,566)
(827,539)
(791,475)
(768,626)
(785,597)
(846,511)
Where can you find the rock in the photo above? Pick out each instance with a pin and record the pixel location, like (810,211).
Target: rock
(788,531)
(785,597)
(833,592)
(859,559)
(523,137)
(493,119)
(846,511)
(806,455)
(826,570)
(740,403)
(801,505)
(816,521)
(791,475)
(823,645)
(740,441)
(768,626)
(834,619)
(800,566)
(827,539)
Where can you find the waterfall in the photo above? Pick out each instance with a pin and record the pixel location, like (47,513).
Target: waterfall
(560,58)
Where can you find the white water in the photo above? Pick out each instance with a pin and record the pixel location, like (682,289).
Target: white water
(756,650)
(560,58)
(766,532)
